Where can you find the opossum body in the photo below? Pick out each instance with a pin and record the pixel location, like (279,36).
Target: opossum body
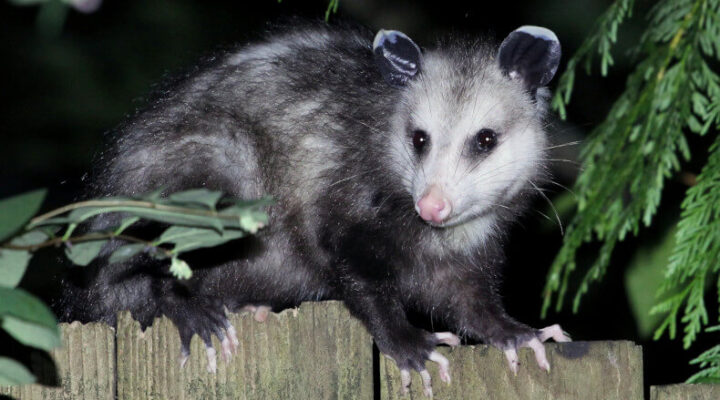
(396,173)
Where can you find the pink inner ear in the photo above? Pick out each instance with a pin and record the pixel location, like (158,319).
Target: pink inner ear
(433,205)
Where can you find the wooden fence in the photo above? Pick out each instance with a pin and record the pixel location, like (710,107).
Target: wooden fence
(319,351)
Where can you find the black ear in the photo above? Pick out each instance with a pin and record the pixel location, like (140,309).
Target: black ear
(397,57)
(531,53)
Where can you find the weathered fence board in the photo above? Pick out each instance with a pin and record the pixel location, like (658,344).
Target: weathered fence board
(315,352)
(685,392)
(580,370)
(319,352)
(84,366)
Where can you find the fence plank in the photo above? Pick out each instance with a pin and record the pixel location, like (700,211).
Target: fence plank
(314,352)
(84,366)
(318,351)
(580,370)
(685,392)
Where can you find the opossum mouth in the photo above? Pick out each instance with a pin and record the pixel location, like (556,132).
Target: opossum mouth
(460,219)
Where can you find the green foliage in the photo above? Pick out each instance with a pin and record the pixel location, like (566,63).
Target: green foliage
(197,218)
(17,210)
(709,362)
(28,319)
(14,373)
(601,39)
(696,257)
(673,91)
(332,8)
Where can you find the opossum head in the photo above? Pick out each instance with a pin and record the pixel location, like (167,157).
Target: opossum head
(468,135)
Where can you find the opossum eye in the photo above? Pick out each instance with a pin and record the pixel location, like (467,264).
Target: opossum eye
(485,139)
(420,139)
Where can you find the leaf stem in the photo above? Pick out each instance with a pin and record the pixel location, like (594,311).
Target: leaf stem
(86,238)
(126,203)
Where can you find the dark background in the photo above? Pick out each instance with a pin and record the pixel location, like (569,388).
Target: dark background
(63,88)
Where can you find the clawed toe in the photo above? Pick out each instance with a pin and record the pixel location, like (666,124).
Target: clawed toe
(443,372)
(447,338)
(405,380)
(540,356)
(554,332)
(427,383)
(424,376)
(513,361)
(212,359)
(184,355)
(219,327)
(443,366)
(227,348)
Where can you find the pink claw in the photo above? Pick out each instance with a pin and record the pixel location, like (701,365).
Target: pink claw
(447,338)
(443,366)
(512,358)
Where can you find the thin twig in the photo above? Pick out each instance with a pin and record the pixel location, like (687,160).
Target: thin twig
(85,238)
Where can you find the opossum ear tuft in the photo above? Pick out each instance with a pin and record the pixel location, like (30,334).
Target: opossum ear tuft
(397,57)
(530,53)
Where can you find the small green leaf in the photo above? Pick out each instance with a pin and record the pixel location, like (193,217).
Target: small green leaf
(12,266)
(186,239)
(30,238)
(81,214)
(252,222)
(21,304)
(83,253)
(16,211)
(13,373)
(180,269)
(31,334)
(126,252)
(203,197)
(126,222)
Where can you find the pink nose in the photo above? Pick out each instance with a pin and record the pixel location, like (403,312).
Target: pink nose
(433,206)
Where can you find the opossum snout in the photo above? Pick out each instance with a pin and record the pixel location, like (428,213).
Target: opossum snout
(433,206)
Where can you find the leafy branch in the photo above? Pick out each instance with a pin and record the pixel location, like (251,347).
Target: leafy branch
(602,37)
(197,219)
(673,91)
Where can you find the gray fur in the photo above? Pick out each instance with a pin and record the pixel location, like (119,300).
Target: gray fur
(305,116)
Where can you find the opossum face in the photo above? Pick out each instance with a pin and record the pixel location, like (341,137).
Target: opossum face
(468,152)
(468,135)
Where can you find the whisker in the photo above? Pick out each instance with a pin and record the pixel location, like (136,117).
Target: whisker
(552,206)
(558,146)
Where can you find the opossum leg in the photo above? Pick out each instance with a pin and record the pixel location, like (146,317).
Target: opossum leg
(260,312)
(378,306)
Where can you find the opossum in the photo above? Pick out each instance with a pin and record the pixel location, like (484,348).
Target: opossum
(396,172)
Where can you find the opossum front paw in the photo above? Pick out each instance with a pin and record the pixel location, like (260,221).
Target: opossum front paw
(531,338)
(414,349)
(204,317)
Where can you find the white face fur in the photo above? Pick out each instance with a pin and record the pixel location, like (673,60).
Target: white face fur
(451,107)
